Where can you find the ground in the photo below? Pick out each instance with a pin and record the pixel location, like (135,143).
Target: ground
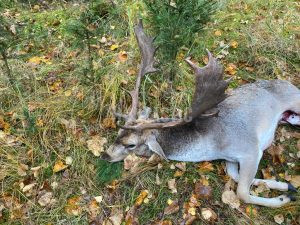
(56,116)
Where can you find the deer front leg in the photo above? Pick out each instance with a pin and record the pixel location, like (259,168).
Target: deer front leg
(248,169)
(232,169)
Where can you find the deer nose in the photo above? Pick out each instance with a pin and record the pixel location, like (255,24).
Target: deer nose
(105,156)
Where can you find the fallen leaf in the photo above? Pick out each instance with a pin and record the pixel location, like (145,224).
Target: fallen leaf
(68,93)
(117,217)
(59,166)
(93,209)
(279,218)
(171,208)
(178,173)
(276,153)
(132,163)
(172,185)
(231,199)
(157,180)
(123,56)
(218,33)
(267,173)
(95,145)
(231,69)
(181,166)
(99,198)
(73,206)
(295,181)
(114,47)
(208,214)
(28,187)
(69,160)
(45,199)
(35,171)
(109,123)
(202,191)
(234,44)
(205,167)
(251,211)
(141,197)
(103,40)
(22,168)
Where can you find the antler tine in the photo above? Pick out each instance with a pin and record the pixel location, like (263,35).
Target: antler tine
(209,92)
(147,66)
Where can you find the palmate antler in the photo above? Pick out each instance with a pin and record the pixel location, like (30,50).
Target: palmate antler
(209,92)
(147,66)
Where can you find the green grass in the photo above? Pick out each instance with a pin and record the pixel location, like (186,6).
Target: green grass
(268,48)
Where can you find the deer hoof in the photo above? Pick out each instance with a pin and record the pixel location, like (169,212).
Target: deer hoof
(291,197)
(291,188)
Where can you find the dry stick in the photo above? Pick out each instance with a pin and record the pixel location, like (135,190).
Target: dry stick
(8,70)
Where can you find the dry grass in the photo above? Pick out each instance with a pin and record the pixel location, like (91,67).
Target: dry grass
(267,33)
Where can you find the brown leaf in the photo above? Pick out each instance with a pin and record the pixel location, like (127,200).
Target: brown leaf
(295,181)
(132,163)
(205,167)
(267,173)
(93,209)
(109,123)
(172,185)
(123,56)
(202,191)
(172,208)
(276,153)
(231,69)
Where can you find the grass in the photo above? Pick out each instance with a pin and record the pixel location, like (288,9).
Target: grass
(267,33)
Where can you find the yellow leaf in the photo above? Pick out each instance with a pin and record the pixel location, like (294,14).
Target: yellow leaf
(35,60)
(73,206)
(141,197)
(231,69)
(114,47)
(218,33)
(40,122)
(123,56)
(68,93)
(101,52)
(251,211)
(234,44)
(59,166)
(178,173)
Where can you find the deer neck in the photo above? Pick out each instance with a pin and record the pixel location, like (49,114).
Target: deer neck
(191,142)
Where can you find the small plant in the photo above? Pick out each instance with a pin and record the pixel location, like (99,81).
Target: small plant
(176,24)
(7,40)
(88,26)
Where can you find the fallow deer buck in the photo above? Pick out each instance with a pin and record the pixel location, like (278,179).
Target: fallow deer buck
(236,127)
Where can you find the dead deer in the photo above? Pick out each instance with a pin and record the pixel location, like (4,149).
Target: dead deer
(236,127)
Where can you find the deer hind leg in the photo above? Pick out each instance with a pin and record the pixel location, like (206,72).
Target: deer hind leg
(232,169)
(248,169)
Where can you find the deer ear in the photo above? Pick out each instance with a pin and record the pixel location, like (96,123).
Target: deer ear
(155,147)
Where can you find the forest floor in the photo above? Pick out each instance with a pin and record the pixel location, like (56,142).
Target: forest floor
(56,116)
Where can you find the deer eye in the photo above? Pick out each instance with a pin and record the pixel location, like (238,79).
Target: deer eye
(130,146)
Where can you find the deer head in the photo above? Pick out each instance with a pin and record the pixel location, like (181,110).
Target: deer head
(139,133)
